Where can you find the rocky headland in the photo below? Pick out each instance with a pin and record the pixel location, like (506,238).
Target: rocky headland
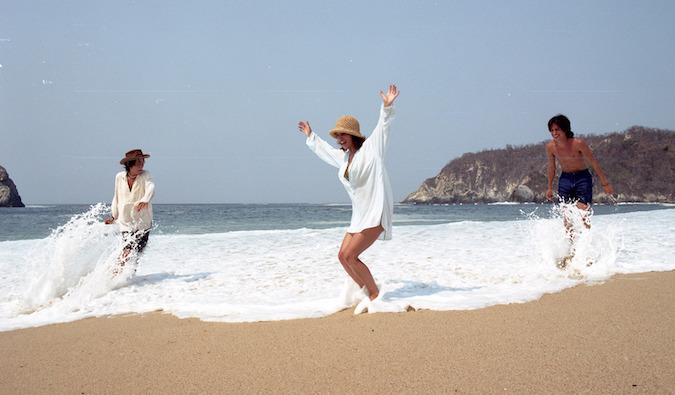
(9,196)
(639,163)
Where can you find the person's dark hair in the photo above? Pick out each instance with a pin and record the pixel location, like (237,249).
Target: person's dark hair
(129,165)
(358,142)
(563,123)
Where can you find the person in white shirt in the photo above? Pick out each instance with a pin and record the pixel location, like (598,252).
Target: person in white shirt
(131,207)
(361,171)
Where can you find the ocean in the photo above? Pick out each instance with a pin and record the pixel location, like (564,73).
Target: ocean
(242,263)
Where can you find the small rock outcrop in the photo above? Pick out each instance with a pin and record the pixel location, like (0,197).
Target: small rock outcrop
(522,194)
(9,196)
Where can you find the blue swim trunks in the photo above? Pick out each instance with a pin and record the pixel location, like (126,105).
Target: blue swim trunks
(576,187)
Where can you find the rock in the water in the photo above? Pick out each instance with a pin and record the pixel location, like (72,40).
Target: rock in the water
(9,196)
(522,194)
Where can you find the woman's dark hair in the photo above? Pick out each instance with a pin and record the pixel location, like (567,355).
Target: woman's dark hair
(129,165)
(358,141)
(563,123)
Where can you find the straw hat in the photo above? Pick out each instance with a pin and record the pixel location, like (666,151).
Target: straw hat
(133,155)
(348,125)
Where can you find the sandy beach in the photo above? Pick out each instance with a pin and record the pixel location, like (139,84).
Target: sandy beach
(617,337)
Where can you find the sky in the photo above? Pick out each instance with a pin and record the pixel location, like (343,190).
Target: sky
(214,90)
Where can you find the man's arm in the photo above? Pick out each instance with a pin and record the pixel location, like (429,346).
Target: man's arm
(588,155)
(550,171)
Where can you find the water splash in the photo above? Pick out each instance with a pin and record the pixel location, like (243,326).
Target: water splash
(569,241)
(75,263)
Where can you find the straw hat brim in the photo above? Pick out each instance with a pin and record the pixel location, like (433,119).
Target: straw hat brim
(336,131)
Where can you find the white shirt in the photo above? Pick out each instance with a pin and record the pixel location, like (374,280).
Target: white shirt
(125,200)
(368,185)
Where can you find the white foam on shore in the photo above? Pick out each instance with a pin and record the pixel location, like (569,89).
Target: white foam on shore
(286,274)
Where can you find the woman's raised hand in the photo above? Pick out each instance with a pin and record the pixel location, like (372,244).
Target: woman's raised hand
(389,97)
(304,128)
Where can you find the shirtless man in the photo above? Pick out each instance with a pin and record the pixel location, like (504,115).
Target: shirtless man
(576,182)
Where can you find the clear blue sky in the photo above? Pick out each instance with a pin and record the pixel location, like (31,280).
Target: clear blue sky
(214,90)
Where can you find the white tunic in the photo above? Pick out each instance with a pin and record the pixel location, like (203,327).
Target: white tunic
(368,185)
(125,200)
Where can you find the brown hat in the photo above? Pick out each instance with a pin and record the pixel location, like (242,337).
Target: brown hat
(133,155)
(348,125)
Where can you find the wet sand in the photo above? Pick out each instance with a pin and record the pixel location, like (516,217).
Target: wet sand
(617,337)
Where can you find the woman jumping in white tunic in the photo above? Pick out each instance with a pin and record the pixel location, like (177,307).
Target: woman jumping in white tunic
(362,172)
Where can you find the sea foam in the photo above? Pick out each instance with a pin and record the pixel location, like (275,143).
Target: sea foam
(256,275)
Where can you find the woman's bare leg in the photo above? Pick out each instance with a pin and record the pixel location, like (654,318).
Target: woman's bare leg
(348,269)
(352,246)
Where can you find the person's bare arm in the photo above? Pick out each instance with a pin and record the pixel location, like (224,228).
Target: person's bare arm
(588,155)
(550,171)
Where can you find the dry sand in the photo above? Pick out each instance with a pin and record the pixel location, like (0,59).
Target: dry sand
(618,337)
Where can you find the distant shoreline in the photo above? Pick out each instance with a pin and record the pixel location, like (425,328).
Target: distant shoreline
(38,205)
